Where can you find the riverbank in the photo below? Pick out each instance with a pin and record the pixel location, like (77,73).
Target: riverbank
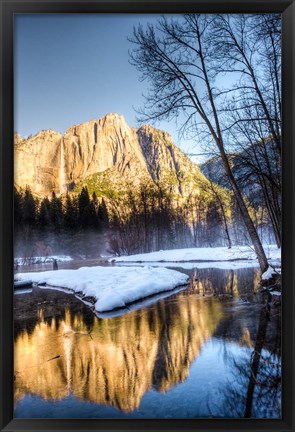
(210,255)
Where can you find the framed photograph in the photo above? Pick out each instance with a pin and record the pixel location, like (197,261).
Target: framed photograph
(147,215)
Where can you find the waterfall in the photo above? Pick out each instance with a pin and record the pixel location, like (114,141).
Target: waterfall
(62,176)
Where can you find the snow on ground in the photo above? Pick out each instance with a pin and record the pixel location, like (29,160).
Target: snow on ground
(23,291)
(202,254)
(41,259)
(268,274)
(111,287)
(223,265)
(140,304)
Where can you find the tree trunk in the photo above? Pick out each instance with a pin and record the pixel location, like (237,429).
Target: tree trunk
(223,215)
(245,214)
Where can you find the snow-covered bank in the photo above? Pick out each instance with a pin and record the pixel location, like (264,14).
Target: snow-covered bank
(111,287)
(269,274)
(140,304)
(202,254)
(41,259)
(221,265)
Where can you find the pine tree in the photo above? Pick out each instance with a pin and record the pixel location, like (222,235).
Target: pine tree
(18,208)
(102,214)
(71,214)
(56,213)
(43,218)
(87,213)
(29,208)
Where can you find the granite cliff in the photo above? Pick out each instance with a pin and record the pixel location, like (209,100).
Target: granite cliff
(106,147)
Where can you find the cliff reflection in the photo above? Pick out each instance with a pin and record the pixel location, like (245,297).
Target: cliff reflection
(114,361)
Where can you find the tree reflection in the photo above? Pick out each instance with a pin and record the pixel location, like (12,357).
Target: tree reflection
(268,382)
(255,388)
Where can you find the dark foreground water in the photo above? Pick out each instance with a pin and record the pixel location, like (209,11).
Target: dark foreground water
(212,350)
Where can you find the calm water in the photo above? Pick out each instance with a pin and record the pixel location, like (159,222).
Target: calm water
(186,355)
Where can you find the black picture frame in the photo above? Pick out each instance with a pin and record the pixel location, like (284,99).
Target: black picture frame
(8,9)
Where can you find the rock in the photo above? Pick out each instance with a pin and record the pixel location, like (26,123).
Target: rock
(37,162)
(50,162)
(166,163)
(98,146)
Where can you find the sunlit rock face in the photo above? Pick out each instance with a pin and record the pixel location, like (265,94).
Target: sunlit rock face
(37,162)
(17,139)
(97,146)
(166,163)
(49,162)
(119,359)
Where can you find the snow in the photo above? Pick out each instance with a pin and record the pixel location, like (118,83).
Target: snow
(22,291)
(268,274)
(111,287)
(277,293)
(202,254)
(41,259)
(223,265)
(140,304)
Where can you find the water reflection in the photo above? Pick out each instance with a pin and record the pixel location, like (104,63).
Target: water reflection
(121,361)
(255,391)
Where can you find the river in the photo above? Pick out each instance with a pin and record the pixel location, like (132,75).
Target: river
(210,350)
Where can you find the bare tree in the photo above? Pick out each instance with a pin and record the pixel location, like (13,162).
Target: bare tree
(251,46)
(216,193)
(175,58)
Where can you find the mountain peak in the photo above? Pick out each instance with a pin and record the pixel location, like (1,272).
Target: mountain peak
(113,120)
(48,133)
(107,146)
(148,129)
(113,116)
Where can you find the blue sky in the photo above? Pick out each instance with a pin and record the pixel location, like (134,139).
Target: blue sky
(70,69)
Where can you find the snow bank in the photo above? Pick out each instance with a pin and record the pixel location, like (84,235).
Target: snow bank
(221,265)
(111,287)
(268,274)
(202,254)
(41,259)
(140,304)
